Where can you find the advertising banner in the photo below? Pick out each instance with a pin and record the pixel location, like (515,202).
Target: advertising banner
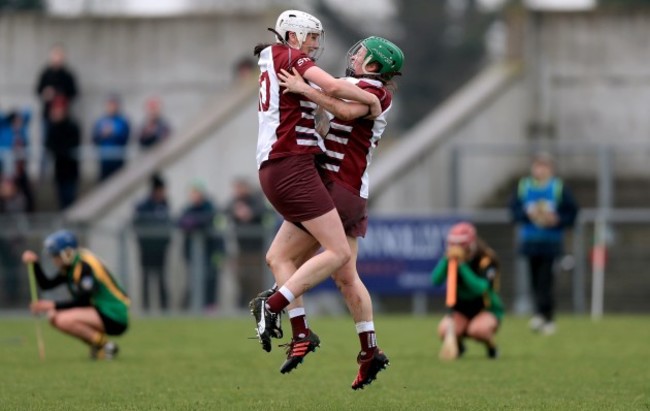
(398,254)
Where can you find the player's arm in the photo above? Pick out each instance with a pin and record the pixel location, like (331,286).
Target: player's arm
(342,89)
(489,270)
(517,209)
(342,110)
(476,285)
(568,209)
(86,288)
(44,282)
(439,273)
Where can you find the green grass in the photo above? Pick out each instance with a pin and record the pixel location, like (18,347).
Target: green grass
(208,364)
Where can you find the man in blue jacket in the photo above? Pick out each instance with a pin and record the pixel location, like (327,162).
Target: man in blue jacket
(111,135)
(544,208)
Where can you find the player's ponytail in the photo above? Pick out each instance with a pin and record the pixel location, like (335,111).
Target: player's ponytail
(258,49)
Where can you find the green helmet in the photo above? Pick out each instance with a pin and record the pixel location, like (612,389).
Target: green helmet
(375,50)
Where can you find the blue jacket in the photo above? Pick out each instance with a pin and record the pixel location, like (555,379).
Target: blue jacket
(111,145)
(7,134)
(542,241)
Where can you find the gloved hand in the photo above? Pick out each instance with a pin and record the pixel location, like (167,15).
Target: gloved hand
(29,257)
(456,252)
(42,306)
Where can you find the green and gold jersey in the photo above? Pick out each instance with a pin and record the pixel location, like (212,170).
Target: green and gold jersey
(478,284)
(88,278)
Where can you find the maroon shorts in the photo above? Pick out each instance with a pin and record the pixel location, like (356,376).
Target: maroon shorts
(294,188)
(352,208)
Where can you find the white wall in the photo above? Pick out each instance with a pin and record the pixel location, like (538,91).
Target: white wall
(415,176)
(186,60)
(594,79)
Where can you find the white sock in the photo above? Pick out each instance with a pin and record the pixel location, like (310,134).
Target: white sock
(296,312)
(365,326)
(287,294)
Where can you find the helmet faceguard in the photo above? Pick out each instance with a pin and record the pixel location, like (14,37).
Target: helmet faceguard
(389,57)
(62,244)
(464,235)
(302,24)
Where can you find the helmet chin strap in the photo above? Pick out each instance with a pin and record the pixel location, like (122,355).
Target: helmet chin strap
(278,36)
(350,72)
(365,64)
(67,256)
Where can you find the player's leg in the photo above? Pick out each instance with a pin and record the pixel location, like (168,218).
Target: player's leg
(162,285)
(460,326)
(546,298)
(289,249)
(538,320)
(83,323)
(294,187)
(352,288)
(328,232)
(303,340)
(482,328)
(144,276)
(371,358)
(86,324)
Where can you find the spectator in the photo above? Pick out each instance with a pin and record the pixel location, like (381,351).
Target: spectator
(152,225)
(246,211)
(13,145)
(111,135)
(12,204)
(13,131)
(155,128)
(543,207)
(12,200)
(63,144)
(198,218)
(55,79)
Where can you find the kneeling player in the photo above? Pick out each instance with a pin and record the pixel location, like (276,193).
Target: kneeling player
(478,309)
(98,308)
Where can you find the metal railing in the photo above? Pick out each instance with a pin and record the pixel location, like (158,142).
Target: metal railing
(620,286)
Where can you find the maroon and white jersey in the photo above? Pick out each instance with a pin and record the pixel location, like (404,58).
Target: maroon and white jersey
(349,145)
(286,121)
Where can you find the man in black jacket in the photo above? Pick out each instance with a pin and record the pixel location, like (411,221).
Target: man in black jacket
(55,80)
(152,223)
(63,140)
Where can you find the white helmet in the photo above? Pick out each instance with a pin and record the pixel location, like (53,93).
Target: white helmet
(302,24)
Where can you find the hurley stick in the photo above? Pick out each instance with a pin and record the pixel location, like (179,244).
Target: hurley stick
(39,333)
(449,349)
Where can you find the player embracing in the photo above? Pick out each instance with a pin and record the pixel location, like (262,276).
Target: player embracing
(286,158)
(350,139)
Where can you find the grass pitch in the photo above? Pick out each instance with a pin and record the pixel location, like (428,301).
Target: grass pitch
(209,364)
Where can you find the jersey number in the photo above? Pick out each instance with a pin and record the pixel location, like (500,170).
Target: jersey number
(265,92)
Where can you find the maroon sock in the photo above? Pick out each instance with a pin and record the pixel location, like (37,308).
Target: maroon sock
(277,302)
(368,342)
(299,326)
